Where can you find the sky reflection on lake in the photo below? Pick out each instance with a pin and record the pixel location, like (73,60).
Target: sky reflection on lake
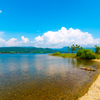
(25,73)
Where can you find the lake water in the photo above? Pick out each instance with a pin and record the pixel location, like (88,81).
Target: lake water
(43,77)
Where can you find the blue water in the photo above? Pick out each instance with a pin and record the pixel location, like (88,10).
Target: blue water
(20,74)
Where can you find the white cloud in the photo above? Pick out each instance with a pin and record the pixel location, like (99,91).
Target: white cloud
(12,42)
(2,42)
(1,32)
(57,39)
(15,42)
(24,40)
(65,37)
(0,11)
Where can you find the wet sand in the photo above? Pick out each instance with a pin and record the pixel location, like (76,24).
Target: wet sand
(94,91)
(96,60)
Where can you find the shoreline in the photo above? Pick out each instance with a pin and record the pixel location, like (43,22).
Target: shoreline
(96,60)
(94,91)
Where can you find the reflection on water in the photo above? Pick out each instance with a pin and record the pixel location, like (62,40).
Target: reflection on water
(39,76)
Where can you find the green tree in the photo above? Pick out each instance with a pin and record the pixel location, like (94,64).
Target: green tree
(81,48)
(97,49)
(78,47)
(85,54)
(73,48)
(68,49)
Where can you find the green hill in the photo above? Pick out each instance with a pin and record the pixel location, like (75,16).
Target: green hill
(25,50)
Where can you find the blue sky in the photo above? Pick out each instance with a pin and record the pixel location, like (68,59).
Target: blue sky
(33,18)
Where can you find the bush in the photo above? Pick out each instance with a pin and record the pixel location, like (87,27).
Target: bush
(90,55)
(79,53)
(57,53)
(64,55)
(85,54)
(98,56)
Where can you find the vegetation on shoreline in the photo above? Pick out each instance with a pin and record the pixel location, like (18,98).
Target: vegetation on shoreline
(74,48)
(64,55)
(81,53)
(86,54)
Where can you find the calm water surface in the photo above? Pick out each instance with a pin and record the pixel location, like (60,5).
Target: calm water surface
(43,77)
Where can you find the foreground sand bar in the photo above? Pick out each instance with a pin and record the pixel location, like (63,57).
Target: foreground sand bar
(94,90)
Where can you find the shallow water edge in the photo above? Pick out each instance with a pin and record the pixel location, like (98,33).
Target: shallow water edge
(44,77)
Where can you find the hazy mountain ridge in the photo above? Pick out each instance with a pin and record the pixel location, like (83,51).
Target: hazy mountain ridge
(37,50)
(65,50)
(25,50)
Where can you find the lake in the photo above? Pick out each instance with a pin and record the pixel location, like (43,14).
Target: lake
(43,77)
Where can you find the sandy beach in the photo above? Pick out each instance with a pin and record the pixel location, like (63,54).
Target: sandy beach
(96,60)
(94,91)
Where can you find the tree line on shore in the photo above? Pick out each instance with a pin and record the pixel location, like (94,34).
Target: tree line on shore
(80,52)
(85,53)
(78,47)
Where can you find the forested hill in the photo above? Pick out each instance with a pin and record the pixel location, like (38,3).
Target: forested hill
(25,50)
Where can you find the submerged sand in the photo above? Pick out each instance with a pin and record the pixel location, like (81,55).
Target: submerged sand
(94,91)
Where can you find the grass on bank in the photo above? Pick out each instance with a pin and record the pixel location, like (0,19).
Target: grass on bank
(84,54)
(64,55)
(97,56)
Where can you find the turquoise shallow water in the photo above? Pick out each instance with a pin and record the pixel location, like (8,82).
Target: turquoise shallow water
(39,76)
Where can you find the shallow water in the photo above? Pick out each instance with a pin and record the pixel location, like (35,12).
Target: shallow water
(43,77)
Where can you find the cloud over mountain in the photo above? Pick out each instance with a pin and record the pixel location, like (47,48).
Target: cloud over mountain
(57,39)
(66,37)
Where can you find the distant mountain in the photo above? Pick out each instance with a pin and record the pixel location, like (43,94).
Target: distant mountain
(91,48)
(62,50)
(36,50)
(65,50)
(25,50)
